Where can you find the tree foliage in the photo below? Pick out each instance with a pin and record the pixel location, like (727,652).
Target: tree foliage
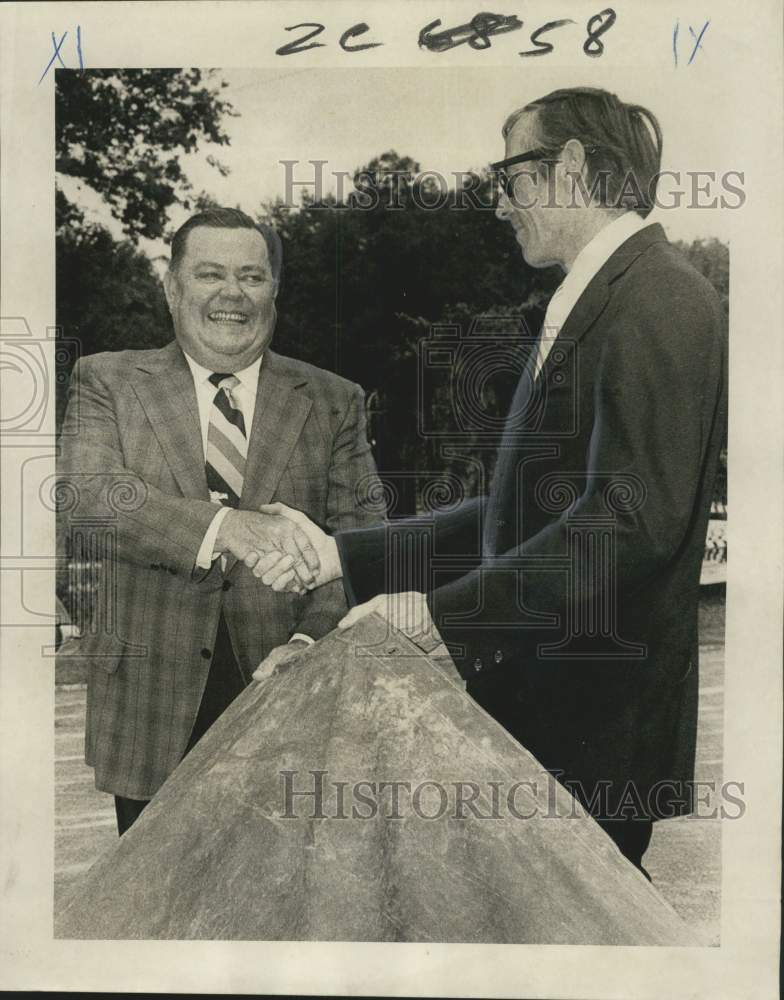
(353,271)
(712,259)
(109,297)
(366,278)
(123,132)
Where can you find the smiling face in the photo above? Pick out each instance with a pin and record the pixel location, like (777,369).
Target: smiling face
(221,297)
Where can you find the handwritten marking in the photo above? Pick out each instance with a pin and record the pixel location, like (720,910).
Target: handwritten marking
(352,32)
(542,48)
(697,39)
(298,45)
(477,32)
(698,42)
(597,26)
(57,47)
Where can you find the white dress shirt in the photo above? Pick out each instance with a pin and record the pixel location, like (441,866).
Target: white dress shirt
(244,396)
(587,264)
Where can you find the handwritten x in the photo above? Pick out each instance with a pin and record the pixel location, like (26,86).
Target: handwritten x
(57,46)
(697,40)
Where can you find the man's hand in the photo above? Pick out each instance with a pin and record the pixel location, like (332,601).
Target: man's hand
(251,535)
(278,655)
(279,574)
(407,612)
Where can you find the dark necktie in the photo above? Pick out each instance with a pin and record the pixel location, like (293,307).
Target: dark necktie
(502,500)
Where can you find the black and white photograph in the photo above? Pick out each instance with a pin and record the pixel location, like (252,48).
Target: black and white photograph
(392,510)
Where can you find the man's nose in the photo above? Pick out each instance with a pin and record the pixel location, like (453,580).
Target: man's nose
(503,209)
(231,288)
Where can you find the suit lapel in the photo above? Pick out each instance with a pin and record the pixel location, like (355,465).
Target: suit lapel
(586,311)
(164,386)
(281,411)
(595,296)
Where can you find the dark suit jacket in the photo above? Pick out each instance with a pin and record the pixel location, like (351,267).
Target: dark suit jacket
(588,654)
(131,469)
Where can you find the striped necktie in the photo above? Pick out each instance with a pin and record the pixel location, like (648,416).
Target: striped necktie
(227,443)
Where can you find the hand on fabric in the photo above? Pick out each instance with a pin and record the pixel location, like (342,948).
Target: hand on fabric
(407,612)
(278,655)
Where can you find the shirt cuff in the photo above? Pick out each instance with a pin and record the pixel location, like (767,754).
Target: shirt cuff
(206,555)
(303,638)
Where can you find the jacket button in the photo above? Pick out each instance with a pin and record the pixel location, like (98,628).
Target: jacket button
(172,570)
(226,585)
(206,653)
(477,664)
(498,656)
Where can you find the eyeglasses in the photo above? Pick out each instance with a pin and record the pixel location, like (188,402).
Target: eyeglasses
(499,168)
(507,182)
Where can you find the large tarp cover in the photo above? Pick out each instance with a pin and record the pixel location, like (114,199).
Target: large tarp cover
(228,850)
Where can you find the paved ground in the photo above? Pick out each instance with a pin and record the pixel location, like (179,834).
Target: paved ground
(684,858)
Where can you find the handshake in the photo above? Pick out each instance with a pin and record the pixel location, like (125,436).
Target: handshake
(281,546)
(288,552)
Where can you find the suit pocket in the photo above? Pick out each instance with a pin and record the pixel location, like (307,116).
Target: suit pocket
(104,651)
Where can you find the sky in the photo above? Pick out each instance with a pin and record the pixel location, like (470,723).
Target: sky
(446,119)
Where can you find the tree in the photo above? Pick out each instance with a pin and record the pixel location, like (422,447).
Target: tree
(352,271)
(108,296)
(712,259)
(123,132)
(367,277)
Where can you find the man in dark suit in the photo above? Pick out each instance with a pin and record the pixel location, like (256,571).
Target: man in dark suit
(576,628)
(169,455)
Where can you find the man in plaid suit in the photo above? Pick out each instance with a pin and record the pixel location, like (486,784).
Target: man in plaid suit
(166,458)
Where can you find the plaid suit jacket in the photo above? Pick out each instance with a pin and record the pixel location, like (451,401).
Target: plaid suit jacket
(133,494)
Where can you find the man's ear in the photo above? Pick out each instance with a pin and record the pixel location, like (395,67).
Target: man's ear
(171,290)
(573,155)
(574,161)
